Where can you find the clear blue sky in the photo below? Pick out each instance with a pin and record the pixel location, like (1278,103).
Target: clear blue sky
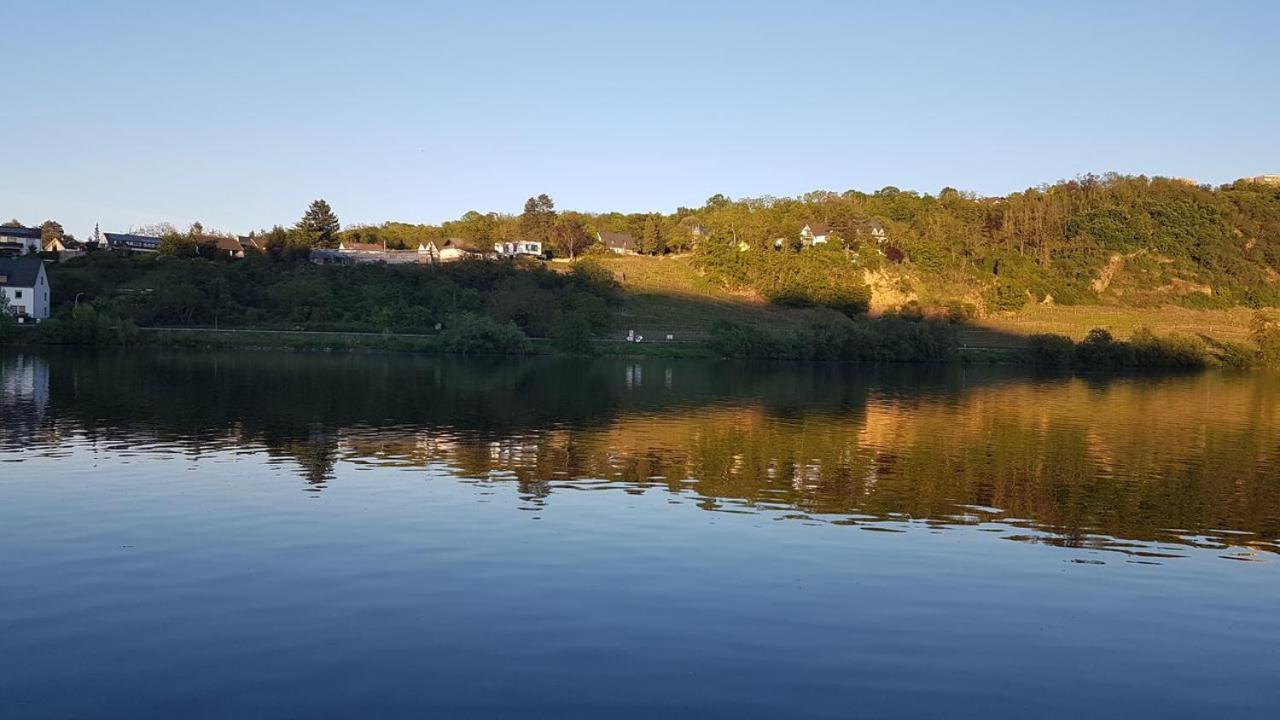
(238,114)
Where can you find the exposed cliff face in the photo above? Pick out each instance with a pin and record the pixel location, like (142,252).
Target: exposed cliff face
(889,291)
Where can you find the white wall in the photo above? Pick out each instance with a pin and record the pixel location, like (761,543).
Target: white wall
(42,296)
(35,301)
(28,244)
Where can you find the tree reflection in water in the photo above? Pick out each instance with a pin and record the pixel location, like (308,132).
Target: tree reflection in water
(1079,461)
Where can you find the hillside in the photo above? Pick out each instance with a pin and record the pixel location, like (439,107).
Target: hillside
(668,294)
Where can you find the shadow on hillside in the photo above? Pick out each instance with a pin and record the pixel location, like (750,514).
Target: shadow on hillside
(682,319)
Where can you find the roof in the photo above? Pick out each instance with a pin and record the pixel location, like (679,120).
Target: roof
(621,241)
(127,240)
(818,228)
(361,247)
(21,232)
(459,243)
(20,272)
(228,244)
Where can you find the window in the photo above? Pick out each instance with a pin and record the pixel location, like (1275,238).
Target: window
(17,294)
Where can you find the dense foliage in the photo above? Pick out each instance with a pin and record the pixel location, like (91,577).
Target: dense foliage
(259,291)
(1134,241)
(1101,350)
(889,339)
(1125,240)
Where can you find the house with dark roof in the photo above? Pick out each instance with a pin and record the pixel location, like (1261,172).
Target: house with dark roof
(129,243)
(618,243)
(870,228)
(18,240)
(228,247)
(815,233)
(24,284)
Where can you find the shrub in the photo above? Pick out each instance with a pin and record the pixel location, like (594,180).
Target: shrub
(572,333)
(1173,351)
(1050,350)
(471,334)
(1101,350)
(84,325)
(1266,335)
(888,339)
(733,340)
(1006,296)
(961,312)
(1238,356)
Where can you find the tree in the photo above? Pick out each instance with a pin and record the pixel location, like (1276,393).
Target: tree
(571,237)
(318,225)
(158,230)
(650,237)
(6,318)
(538,221)
(176,244)
(717,201)
(50,230)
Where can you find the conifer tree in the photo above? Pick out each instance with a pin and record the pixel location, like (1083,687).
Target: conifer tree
(319,225)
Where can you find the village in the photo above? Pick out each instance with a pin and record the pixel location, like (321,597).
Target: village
(25,290)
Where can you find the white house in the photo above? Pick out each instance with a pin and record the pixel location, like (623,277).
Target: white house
(20,240)
(520,247)
(25,285)
(450,250)
(815,233)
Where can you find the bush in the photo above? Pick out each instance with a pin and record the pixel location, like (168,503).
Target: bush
(1101,350)
(1050,350)
(572,334)
(1238,356)
(7,322)
(961,312)
(1006,296)
(84,325)
(1266,335)
(733,340)
(886,339)
(471,334)
(1172,351)
(269,292)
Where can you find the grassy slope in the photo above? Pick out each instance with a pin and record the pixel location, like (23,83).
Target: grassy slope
(668,295)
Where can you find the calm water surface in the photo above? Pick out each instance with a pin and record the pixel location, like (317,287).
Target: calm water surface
(285,535)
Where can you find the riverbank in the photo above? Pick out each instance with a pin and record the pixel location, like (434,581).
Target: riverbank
(887,341)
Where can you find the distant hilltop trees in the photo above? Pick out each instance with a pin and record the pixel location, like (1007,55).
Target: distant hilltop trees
(1130,240)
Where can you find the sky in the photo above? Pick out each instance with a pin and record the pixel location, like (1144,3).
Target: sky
(238,114)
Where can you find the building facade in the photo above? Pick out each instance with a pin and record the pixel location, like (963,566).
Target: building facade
(24,285)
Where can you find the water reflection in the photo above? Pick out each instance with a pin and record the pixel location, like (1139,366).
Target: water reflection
(1144,466)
